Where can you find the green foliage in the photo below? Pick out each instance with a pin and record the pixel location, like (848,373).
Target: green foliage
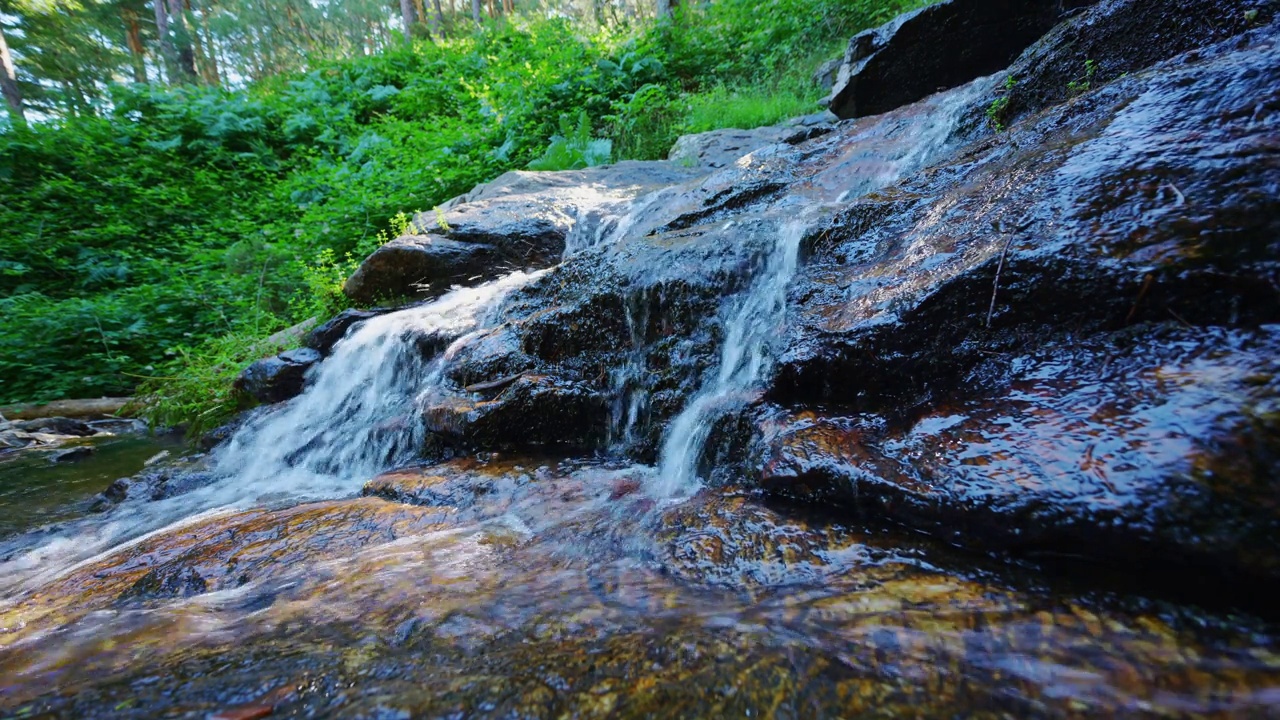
(200,394)
(1081,84)
(574,148)
(746,107)
(999,108)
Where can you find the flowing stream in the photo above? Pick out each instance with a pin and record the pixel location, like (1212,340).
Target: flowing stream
(358,416)
(511,585)
(754,324)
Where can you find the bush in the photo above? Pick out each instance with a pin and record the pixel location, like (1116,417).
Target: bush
(574,148)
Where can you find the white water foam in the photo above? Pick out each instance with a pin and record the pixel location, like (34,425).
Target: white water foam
(359,415)
(754,322)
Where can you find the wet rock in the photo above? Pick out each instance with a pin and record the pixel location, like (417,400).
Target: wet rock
(74,454)
(471,489)
(728,539)
(719,148)
(935,48)
(1117,37)
(1045,346)
(229,551)
(163,477)
(531,411)
(226,431)
(1086,215)
(520,220)
(470,622)
(421,266)
(12,439)
(1154,447)
(323,338)
(166,583)
(56,426)
(244,712)
(826,73)
(277,378)
(117,491)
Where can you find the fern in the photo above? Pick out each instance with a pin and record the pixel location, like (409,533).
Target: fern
(574,148)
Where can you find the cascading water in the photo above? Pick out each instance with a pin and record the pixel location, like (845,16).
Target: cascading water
(628,398)
(358,416)
(752,324)
(754,318)
(360,413)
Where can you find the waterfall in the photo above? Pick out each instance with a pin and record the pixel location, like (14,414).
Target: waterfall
(753,323)
(883,154)
(360,413)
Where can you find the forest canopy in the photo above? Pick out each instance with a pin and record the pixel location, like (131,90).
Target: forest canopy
(181,178)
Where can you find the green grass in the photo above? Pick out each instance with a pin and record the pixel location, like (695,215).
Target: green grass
(747,107)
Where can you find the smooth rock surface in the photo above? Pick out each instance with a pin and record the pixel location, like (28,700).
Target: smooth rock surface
(937,48)
(277,378)
(521,220)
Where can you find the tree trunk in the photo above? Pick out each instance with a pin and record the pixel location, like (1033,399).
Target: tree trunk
(9,84)
(208,66)
(475,11)
(185,55)
(426,17)
(667,8)
(166,44)
(406,20)
(439,23)
(133,36)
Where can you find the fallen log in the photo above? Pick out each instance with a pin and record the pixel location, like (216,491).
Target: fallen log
(87,407)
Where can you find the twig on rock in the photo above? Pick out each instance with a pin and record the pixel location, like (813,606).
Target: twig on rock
(1146,285)
(995,287)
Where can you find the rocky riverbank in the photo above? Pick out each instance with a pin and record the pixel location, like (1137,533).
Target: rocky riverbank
(806,421)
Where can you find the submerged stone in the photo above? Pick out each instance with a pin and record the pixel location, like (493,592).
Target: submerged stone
(543,609)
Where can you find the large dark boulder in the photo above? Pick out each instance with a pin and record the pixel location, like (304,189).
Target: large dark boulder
(418,266)
(279,377)
(936,48)
(1154,447)
(1117,37)
(520,220)
(1062,340)
(323,338)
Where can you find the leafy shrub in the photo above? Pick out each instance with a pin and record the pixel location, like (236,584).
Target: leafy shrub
(574,148)
(999,107)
